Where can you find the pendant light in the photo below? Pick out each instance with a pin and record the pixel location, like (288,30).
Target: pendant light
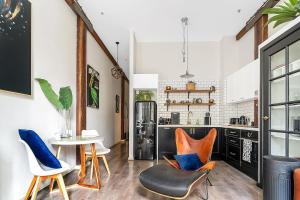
(116,71)
(185,48)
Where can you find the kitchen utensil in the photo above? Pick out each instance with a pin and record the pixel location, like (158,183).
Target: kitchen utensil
(242,120)
(234,121)
(175,117)
(199,100)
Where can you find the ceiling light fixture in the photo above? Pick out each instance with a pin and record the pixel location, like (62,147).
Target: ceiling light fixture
(185,47)
(116,71)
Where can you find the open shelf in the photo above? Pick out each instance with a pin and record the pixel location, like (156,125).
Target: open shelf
(190,91)
(189,104)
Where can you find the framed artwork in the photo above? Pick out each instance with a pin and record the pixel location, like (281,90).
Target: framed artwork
(93,79)
(15,46)
(117,103)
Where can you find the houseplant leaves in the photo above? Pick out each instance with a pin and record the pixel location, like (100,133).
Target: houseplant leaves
(63,101)
(284,13)
(49,93)
(65,97)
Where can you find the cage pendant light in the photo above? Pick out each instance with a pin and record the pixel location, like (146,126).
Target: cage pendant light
(116,71)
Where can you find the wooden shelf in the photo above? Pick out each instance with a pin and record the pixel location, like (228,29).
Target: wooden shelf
(189,91)
(189,104)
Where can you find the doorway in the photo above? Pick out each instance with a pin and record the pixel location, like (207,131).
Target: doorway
(125,109)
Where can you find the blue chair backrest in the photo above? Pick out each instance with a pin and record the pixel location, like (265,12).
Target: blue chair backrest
(39,148)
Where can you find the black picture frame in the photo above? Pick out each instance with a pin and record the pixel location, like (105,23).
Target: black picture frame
(15,47)
(117,103)
(93,85)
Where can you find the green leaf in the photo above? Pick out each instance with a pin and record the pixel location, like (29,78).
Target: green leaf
(94,95)
(293,2)
(65,97)
(282,21)
(279,17)
(49,93)
(297,6)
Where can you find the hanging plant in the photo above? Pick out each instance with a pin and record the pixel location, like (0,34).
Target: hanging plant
(286,12)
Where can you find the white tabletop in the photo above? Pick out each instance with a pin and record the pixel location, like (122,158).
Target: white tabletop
(75,140)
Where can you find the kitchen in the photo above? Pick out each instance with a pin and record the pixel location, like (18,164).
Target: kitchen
(224,97)
(255,109)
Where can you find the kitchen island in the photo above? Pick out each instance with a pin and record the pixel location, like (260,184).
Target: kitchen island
(228,144)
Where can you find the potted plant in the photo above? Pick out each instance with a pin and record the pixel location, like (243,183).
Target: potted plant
(61,102)
(283,13)
(144,95)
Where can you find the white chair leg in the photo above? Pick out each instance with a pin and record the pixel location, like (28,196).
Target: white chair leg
(62,186)
(92,170)
(36,188)
(106,164)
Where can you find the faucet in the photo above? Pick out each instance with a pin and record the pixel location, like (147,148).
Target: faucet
(190,113)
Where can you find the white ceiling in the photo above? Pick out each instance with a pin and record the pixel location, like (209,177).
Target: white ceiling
(159,20)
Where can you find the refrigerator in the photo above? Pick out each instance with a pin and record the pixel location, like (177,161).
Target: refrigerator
(145,130)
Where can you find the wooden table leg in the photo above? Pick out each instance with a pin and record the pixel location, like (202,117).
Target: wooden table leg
(52,180)
(83,168)
(82,164)
(96,165)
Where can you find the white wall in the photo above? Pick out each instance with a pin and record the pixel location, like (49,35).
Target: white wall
(53,58)
(236,54)
(132,69)
(104,119)
(165,59)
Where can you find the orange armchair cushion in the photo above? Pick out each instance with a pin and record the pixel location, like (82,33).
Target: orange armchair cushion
(187,145)
(297,184)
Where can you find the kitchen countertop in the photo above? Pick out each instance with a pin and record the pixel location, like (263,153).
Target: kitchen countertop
(212,126)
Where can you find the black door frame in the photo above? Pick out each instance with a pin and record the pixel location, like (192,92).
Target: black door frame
(281,42)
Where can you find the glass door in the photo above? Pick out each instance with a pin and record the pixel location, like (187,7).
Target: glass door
(280,97)
(282,105)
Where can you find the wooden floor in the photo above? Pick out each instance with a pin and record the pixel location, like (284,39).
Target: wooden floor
(123,184)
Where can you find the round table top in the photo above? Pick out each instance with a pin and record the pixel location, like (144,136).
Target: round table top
(76,140)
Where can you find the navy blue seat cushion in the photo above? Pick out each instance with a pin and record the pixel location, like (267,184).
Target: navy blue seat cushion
(189,162)
(39,148)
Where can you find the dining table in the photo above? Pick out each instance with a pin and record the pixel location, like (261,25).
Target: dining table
(82,142)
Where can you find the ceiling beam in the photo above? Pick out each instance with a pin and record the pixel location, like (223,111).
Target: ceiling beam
(254,19)
(75,6)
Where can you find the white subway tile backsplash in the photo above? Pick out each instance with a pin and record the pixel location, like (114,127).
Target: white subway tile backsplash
(220,113)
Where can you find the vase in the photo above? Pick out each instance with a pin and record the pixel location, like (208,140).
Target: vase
(65,123)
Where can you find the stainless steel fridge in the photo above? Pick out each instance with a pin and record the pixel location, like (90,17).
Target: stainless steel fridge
(145,130)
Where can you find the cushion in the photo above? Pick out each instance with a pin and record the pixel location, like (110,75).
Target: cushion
(39,149)
(297,184)
(169,181)
(189,162)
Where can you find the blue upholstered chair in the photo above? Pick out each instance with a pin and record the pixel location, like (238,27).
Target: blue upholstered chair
(42,163)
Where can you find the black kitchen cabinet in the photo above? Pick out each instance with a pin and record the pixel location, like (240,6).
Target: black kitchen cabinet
(234,144)
(200,133)
(166,142)
(250,168)
(223,144)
